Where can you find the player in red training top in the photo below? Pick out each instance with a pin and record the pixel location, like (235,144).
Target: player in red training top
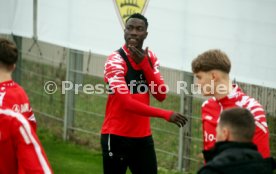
(132,73)
(19,146)
(211,69)
(11,94)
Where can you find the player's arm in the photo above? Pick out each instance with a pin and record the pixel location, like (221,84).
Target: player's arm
(139,108)
(29,114)
(30,154)
(261,136)
(114,75)
(208,129)
(31,118)
(150,66)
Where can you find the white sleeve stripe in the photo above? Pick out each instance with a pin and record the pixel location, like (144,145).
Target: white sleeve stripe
(258,117)
(252,103)
(110,81)
(256,110)
(114,72)
(259,125)
(27,127)
(32,118)
(2,94)
(264,123)
(118,86)
(24,135)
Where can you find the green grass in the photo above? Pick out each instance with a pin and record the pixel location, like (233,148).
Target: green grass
(70,158)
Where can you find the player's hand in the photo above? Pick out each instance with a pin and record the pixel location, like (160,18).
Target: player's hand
(178,119)
(138,55)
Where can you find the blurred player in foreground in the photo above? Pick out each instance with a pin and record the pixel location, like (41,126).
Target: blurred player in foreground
(12,95)
(20,149)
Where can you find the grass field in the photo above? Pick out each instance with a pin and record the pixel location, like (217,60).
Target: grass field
(70,158)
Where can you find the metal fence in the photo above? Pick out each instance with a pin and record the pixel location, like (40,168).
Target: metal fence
(78,116)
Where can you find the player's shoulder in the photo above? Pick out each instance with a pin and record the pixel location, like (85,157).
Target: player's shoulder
(115,57)
(152,55)
(19,88)
(247,101)
(15,92)
(11,85)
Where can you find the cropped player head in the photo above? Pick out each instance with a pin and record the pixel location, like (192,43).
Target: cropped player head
(8,54)
(236,124)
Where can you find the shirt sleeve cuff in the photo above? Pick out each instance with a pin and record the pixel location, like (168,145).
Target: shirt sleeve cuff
(144,63)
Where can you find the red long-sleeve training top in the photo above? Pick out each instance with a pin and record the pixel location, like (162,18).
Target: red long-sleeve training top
(20,149)
(127,111)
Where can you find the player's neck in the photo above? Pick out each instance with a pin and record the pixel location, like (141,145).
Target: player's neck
(5,76)
(227,84)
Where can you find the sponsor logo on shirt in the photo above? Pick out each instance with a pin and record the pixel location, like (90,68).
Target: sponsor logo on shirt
(208,137)
(21,108)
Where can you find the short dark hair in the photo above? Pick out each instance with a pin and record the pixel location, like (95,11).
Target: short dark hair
(211,60)
(241,123)
(8,52)
(139,16)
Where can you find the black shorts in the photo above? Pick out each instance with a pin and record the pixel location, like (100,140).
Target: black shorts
(119,153)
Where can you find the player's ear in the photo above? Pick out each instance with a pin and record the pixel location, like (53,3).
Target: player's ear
(226,134)
(146,34)
(215,75)
(11,68)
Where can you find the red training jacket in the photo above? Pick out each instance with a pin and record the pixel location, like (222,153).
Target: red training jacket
(19,146)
